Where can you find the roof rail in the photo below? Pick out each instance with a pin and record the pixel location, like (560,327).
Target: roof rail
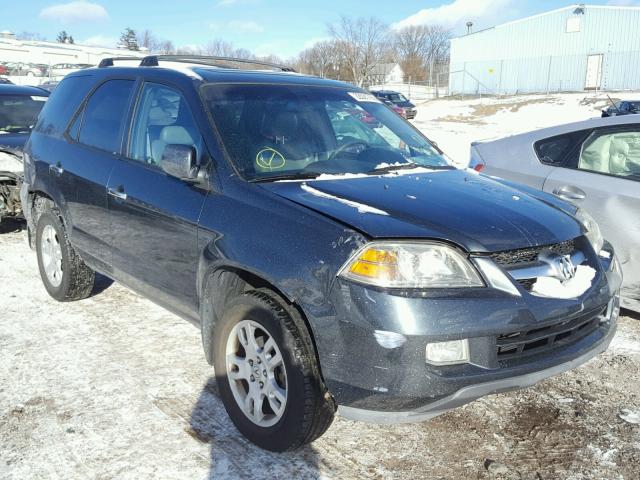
(108,62)
(221,62)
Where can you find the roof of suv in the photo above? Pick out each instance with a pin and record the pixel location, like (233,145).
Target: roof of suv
(210,73)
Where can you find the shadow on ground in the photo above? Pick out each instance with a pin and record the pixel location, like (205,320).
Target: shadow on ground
(101,284)
(232,456)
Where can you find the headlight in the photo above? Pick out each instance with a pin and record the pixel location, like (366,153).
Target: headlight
(592,230)
(411,265)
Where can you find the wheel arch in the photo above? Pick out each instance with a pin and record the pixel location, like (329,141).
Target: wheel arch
(221,284)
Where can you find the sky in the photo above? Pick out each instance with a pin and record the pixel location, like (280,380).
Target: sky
(279,27)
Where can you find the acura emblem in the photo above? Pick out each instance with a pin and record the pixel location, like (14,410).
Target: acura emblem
(560,266)
(565,267)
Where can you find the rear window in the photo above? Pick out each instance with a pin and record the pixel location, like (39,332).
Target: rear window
(62,103)
(556,150)
(18,113)
(104,115)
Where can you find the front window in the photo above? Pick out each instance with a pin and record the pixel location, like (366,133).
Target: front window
(18,113)
(284,131)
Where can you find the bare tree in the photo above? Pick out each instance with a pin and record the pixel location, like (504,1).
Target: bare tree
(361,44)
(165,47)
(219,48)
(419,47)
(146,39)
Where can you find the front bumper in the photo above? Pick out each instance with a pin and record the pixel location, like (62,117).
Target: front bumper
(373,356)
(473,392)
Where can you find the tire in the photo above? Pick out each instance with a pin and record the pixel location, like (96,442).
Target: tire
(70,279)
(307,410)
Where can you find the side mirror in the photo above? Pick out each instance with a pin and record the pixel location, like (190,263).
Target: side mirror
(180,161)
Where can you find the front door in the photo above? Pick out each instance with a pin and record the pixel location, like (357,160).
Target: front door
(154,216)
(593,78)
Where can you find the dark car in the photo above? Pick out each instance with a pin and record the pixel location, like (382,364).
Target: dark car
(327,265)
(623,107)
(399,100)
(19,108)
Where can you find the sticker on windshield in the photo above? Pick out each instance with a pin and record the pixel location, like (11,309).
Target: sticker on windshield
(363,97)
(37,98)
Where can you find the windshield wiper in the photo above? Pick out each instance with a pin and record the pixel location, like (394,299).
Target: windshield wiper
(288,176)
(405,166)
(389,168)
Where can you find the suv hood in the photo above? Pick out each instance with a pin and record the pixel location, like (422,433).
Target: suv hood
(471,210)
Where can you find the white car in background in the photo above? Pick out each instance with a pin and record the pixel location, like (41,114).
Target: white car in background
(594,164)
(62,69)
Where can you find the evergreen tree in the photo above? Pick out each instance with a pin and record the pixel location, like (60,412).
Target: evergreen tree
(129,40)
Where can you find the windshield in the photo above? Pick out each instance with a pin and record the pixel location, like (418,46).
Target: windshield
(276,131)
(397,98)
(18,113)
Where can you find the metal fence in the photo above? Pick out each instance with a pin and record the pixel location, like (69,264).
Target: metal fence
(436,85)
(595,71)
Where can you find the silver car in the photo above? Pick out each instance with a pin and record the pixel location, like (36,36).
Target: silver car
(595,164)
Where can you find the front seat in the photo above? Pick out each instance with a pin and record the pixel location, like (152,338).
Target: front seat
(595,157)
(170,135)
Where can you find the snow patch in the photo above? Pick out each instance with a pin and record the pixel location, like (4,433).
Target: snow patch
(573,288)
(361,207)
(630,416)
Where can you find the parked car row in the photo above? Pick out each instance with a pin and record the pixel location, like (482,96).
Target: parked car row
(39,69)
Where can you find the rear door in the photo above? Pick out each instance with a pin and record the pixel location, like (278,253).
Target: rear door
(154,216)
(95,137)
(603,176)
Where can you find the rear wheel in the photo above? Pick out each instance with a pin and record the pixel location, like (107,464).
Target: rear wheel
(64,275)
(268,375)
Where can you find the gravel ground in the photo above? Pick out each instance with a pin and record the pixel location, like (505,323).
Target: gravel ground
(116,387)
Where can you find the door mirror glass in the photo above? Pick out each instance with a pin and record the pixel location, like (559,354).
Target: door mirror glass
(180,161)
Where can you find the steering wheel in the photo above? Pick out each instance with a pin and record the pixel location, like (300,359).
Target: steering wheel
(346,146)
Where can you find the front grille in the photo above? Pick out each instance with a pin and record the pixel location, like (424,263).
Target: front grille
(510,258)
(520,344)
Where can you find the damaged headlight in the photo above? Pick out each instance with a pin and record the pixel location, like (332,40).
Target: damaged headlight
(411,265)
(592,230)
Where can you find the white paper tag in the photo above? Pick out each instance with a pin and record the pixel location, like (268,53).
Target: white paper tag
(38,98)
(363,97)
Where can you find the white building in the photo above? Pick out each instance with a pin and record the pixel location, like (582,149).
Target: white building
(386,73)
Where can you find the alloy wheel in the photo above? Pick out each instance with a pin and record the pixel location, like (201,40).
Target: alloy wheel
(256,373)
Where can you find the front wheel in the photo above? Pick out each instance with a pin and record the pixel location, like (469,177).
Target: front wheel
(64,275)
(267,373)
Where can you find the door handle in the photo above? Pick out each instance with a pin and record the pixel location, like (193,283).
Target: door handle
(56,169)
(117,192)
(570,193)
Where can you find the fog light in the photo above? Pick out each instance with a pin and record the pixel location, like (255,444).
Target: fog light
(448,353)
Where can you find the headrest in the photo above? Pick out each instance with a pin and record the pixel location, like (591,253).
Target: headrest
(618,147)
(176,135)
